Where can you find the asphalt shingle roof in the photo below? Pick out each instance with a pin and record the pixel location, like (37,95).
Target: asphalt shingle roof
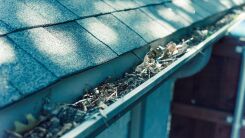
(20,72)
(17,15)
(122,4)
(4,28)
(210,5)
(166,16)
(145,26)
(86,7)
(146,2)
(64,49)
(51,10)
(113,33)
(42,41)
(188,13)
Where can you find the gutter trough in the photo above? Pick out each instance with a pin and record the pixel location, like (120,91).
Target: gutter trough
(197,55)
(123,105)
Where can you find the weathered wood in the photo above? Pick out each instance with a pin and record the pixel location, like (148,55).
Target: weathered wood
(213,88)
(200,113)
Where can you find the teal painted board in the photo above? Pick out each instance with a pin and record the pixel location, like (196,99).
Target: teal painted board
(118,129)
(157,110)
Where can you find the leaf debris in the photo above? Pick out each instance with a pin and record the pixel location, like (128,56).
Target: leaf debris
(65,117)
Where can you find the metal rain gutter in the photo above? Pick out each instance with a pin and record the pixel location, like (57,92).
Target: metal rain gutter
(90,126)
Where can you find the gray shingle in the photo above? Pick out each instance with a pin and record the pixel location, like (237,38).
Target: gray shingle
(88,49)
(16,14)
(223,5)
(8,93)
(190,6)
(241,2)
(166,16)
(146,27)
(209,5)
(113,33)
(235,2)
(220,7)
(227,3)
(122,4)
(146,2)
(86,7)
(21,70)
(51,10)
(184,10)
(5,28)
(64,48)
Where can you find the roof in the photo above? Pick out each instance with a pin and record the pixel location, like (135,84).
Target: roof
(42,41)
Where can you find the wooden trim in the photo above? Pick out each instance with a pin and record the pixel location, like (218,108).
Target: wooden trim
(200,113)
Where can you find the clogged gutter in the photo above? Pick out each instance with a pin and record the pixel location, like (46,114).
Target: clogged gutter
(54,122)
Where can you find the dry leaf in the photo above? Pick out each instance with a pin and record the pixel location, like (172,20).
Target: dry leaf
(21,127)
